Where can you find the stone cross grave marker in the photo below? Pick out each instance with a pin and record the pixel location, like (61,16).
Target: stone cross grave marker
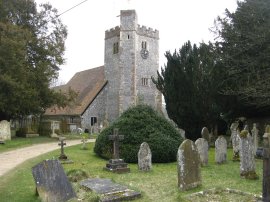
(144,157)
(247,157)
(221,150)
(188,166)
(116,138)
(116,164)
(51,182)
(202,146)
(266,165)
(62,144)
(235,140)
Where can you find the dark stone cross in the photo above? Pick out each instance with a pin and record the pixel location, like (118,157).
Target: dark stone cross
(116,138)
(266,168)
(62,144)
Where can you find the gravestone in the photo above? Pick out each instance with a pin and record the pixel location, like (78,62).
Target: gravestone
(202,146)
(116,164)
(205,134)
(62,144)
(84,140)
(5,133)
(266,165)
(144,157)
(110,191)
(255,137)
(220,150)
(247,156)
(52,184)
(55,125)
(235,141)
(188,166)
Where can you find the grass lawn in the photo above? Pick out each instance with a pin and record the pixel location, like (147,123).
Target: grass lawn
(158,185)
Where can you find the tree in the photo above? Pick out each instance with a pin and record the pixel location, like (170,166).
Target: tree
(31,51)
(189,89)
(243,45)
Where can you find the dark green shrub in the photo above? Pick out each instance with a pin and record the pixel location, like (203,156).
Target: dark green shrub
(141,124)
(21,132)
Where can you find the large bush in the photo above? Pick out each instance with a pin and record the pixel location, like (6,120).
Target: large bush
(141,124)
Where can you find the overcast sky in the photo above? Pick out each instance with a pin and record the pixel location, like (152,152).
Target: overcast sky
(177,21)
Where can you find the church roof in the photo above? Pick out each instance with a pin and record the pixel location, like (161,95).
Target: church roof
(88,84)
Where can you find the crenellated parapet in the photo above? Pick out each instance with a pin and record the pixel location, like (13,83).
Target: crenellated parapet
(112,32)
(147,31)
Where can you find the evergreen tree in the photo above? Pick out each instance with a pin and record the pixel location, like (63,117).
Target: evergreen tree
(188,88)
(243,44)
(31,51)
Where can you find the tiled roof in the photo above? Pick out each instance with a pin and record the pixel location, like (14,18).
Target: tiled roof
(87,84)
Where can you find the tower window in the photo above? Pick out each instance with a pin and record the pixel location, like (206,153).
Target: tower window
(128,36)
(145,81)
(144,45)
(115,48)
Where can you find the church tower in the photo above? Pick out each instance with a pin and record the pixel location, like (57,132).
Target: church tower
(131,59)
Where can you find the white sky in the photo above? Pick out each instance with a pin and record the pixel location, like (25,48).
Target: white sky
(177,21)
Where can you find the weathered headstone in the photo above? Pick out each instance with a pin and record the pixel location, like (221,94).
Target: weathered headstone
(5,133)
(144,157)
(247,156)
(84,140)
(202,146)
(220,150)
(188,166)
(205,134)
(255,137)
(110,191)
(52,184)
(55,125)
(116,164)
(266,165)
(235,141)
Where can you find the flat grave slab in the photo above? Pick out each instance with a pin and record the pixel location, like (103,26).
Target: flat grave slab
(109,190)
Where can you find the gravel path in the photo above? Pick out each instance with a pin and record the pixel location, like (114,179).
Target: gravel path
(11,159)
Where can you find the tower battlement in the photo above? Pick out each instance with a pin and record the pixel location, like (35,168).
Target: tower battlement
(112,32)
(147,31)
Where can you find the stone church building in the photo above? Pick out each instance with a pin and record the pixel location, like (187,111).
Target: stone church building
(131,59)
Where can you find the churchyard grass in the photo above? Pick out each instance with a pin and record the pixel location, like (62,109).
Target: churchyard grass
(160,184)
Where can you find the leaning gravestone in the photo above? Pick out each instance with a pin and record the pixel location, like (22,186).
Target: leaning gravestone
(188,166)
(235,141)
(247,156)
(202,146)
(52,184)
(144,157)
(221,150)
(5,133)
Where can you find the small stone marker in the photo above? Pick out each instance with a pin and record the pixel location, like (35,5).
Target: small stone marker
(266,166)
(5,133)
(51,182)
(235,141)
(84,140)
(62,144)
(221,150)
(188,166)
(145,157)
(247,156)
(205,134)
(116,165)
(202,146)
(110,191)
